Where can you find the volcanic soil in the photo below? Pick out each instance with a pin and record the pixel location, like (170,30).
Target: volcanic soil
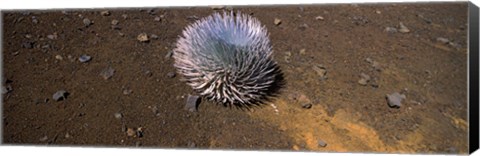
(339,62)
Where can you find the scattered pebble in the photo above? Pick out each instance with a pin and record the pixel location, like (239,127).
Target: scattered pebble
(395,99)
(67,135)
(277,21)
(307,106)
(127,91)
(34,20)
(148,73)
(115,22)
(303,26)
(403,28)
(53,36)
(45,138)
(171,74)
(139,132)
(84,58)
(287,56)
(362,82)
(391,29)
(4,90)
(39,101)
(58,57)
(302,51)
(118,115)
(378,12)
(295,147)
(60,95)
(192,103)
(143,37)
(321,71)
(364,79)
(191,144)
(105,13)
(369,60)
(374,83)
(153,36)
(319,18)
(428,21)
(322,143)
(157,19)
(107,73)
(155,111)
(442,40)
(87,22)
(193,17)
(130,132)
(28,44)
(376,66)
(169,54)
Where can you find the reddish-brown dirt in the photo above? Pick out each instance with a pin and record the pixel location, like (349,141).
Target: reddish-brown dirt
(346,40)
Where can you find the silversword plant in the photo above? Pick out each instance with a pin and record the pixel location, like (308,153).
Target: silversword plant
(227,58)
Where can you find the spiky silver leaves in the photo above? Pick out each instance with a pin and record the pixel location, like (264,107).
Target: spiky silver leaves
(227,58)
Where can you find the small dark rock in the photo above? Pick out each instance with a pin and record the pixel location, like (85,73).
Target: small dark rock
(192,103)
(443,40)
(60,95)
(322,143)
(153,36)
(87,22)
(395,99)
(364,79)
(148,73)
(130,132)
(105,13)
(127,91)
(116,27)
(139,132)
(28,44)
(169,54)
(192,18)
(142,37)
(34,20)
(45,138)
(7,89)
(403,28)
(53,36)
(84,58)
(118,115)
(191,144)
(277,21)
(391,30)
(107,73)
(321,71)
(303,26)
(307,106)
(115,22)
(376,66)
(151,11)
(171,74)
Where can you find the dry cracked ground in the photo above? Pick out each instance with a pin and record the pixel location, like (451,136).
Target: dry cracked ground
(339,63)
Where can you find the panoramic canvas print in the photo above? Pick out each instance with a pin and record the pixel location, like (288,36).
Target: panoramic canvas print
(358,78)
